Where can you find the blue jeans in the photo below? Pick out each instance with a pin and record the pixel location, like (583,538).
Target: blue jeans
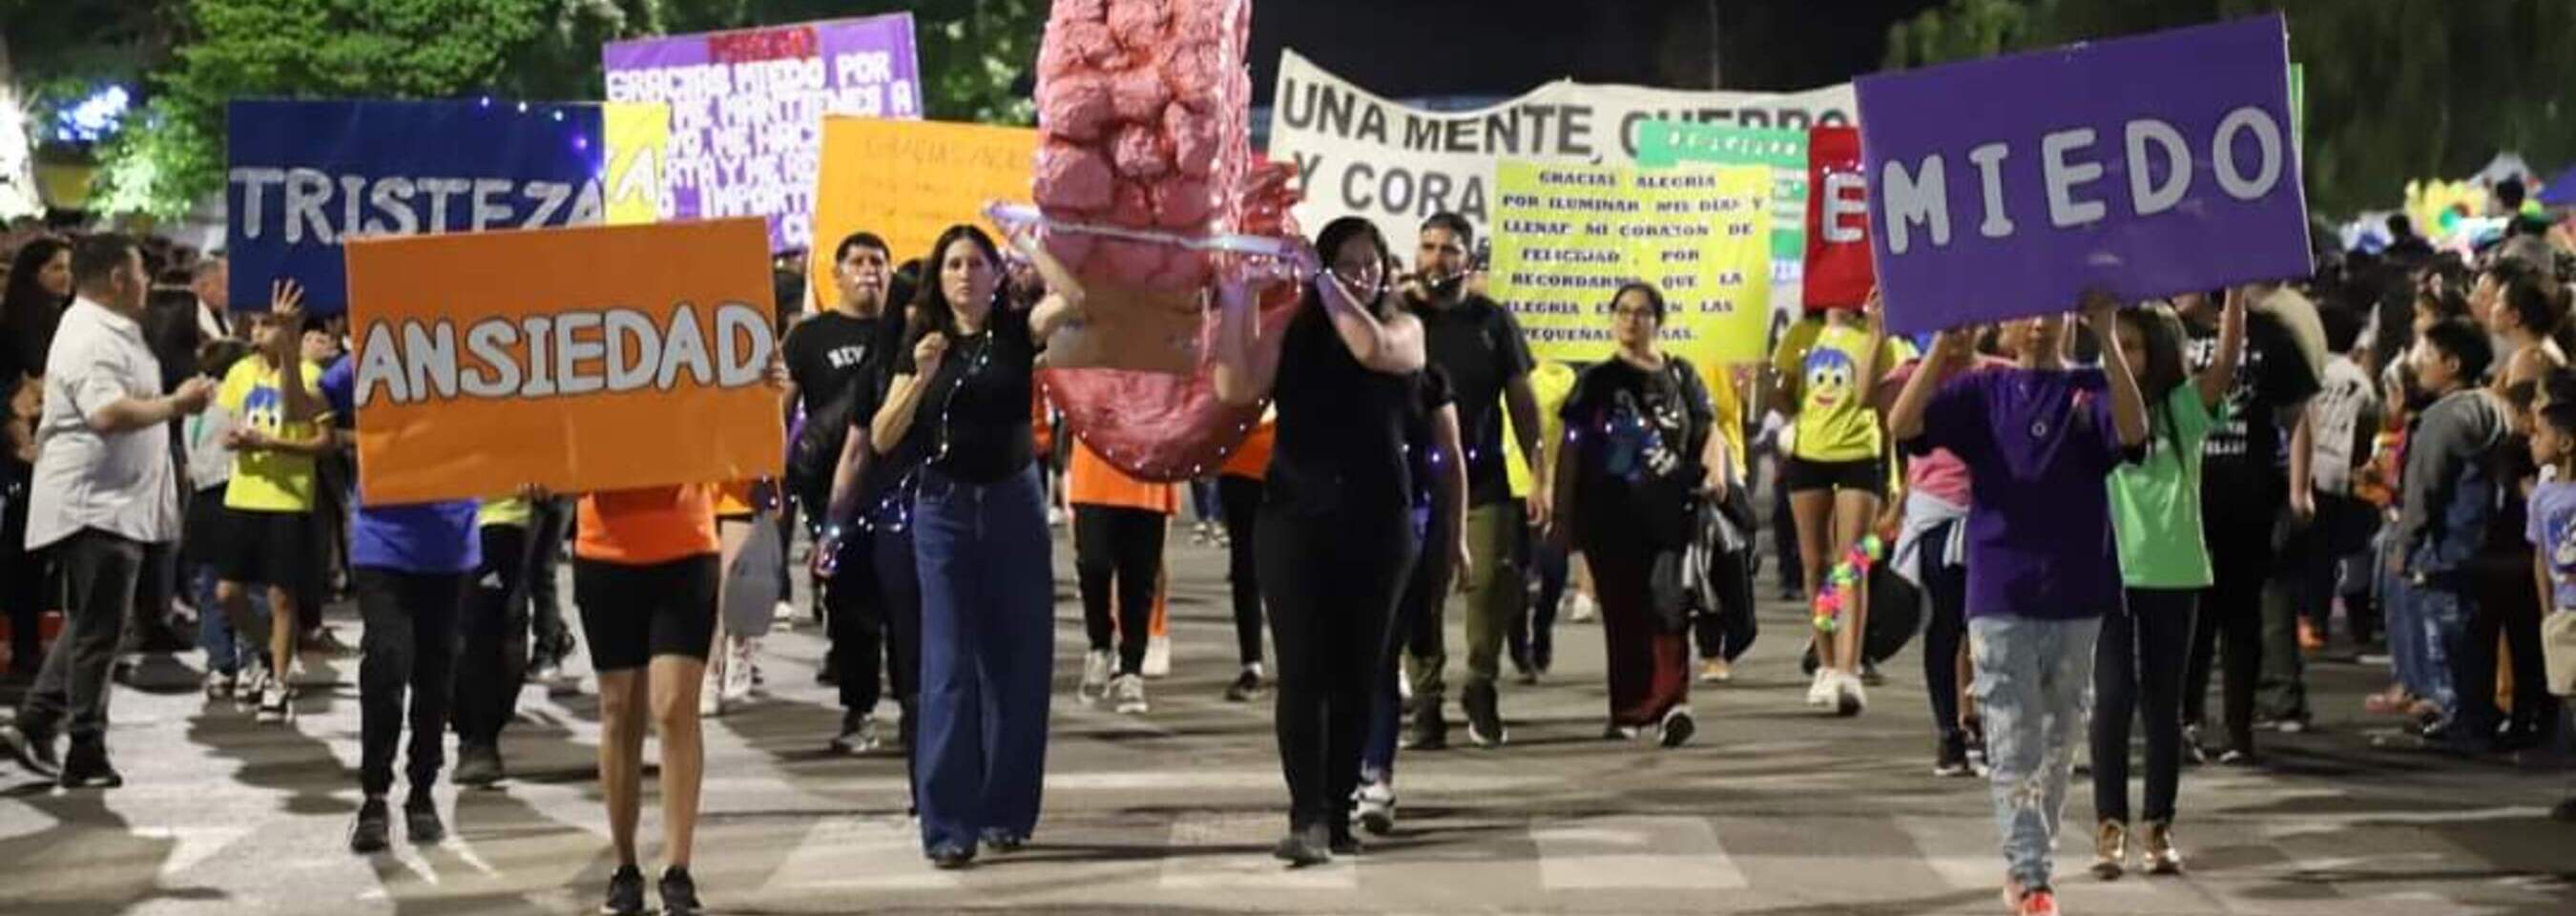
(2441,629)
(226,651)
(2034,685)
(987,657)
(2405,628)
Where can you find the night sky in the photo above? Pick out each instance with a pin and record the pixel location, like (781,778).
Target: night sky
(1408,48)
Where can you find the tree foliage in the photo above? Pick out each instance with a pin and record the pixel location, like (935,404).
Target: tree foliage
(188,57)
(2397,90)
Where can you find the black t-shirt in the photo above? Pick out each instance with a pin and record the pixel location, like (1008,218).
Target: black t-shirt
(2248,454)
(1480,347)
(1422,435)
(1637,436)
(829,353)
(1341,427)
(973,420)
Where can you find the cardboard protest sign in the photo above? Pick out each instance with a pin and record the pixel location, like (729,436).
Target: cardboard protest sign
(908,181)
(1359,154)
(746,109)
(483,363)
(1566,238)
(2143,166)
(305,177)
(1838,273)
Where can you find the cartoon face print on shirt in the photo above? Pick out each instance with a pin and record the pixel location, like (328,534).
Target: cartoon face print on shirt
(1829,377)
(263,408)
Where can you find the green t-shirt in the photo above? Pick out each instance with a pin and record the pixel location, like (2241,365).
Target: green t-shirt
(1835,421)
(2155,504)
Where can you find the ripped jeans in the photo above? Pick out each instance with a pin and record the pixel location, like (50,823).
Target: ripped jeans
(2034,686)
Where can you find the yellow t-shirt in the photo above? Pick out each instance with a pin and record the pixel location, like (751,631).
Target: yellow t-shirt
(1835,422)
(1727,404)
(269,481)
(513,512)
(1551,382)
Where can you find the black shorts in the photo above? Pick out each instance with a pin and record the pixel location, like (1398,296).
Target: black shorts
(633,614)
(269,548)
(1867,475)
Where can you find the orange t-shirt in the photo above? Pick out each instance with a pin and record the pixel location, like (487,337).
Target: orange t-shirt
(648,526)
(1091,481)
(1252,459)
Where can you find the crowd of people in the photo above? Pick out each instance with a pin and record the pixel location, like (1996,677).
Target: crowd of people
(2082,519)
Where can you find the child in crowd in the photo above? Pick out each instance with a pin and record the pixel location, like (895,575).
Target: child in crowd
(2551,530)
(2448,492)
(2038,440)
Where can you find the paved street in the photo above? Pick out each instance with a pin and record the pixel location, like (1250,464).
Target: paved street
(1774,810)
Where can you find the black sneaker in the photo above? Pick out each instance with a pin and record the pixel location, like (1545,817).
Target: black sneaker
(952,858)
(367,835)
(679,893)
(1485,717)
(858,734)
(1951,759)
(1004,842)
(1429,730)
(478,765)
(1246,686)
(1678,727)
(625,893)
(33,747)
(1341,841)
(1311,845)
(1869,675)
(421,825)
(86,767)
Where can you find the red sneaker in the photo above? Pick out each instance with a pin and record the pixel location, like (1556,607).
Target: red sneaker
(2041,902)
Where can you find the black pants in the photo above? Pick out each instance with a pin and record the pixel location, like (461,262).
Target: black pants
(1784,532)
(2137,675)
(492,638)
(873,605)
(1240,498)
(1533,636)
(98,571)
(22,571)
(2508,607)
(409,645)
(1945,585)
(2231,612)
(1331,583)
(1119,549)
(550,522)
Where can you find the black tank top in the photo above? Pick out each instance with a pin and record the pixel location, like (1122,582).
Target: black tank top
(1340,442)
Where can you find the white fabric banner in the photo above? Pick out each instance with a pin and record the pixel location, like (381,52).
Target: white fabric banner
(1358,154)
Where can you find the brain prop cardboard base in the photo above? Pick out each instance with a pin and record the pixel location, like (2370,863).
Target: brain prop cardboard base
(1144,128)
(1166,427)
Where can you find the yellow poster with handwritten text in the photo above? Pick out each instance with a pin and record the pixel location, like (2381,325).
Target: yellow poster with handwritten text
(1567,237)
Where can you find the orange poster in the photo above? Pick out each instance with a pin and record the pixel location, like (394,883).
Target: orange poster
(907,181)
(580,360)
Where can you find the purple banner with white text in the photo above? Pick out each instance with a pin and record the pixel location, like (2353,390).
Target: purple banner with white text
(2142,166)
(747,107)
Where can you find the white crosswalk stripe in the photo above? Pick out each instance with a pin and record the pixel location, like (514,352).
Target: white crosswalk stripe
(1633,852)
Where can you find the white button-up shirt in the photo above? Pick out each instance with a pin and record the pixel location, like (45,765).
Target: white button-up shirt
(120,483)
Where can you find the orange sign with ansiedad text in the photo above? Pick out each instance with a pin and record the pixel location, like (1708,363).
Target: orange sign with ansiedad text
(579,360)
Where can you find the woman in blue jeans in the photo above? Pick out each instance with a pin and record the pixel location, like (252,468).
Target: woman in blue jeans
(960,396)
(2037,438)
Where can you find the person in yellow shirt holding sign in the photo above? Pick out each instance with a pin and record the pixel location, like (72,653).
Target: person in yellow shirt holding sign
(1531,640)
(1836,475)
(268,519)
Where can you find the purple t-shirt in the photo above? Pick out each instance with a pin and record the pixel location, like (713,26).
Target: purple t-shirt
(2037,443)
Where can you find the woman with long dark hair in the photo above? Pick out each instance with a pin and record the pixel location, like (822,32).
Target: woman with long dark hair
(960,396)
(1334,540)
(2164,565)
(40,286)
(1638,442)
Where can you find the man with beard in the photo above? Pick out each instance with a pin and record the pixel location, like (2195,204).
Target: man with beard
(1476,342)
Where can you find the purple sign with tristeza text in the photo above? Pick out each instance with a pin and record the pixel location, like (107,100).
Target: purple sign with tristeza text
(747,110)
(2143,167)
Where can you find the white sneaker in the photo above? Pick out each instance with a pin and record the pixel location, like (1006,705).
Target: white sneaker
(1097,666)
(1580,608)
(1850,697)
(1375,808)
(783,616)
(1158,656)
(275,702)
(219,686)
(737,669)
(711,691)
(1130,690)
(1820,691)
